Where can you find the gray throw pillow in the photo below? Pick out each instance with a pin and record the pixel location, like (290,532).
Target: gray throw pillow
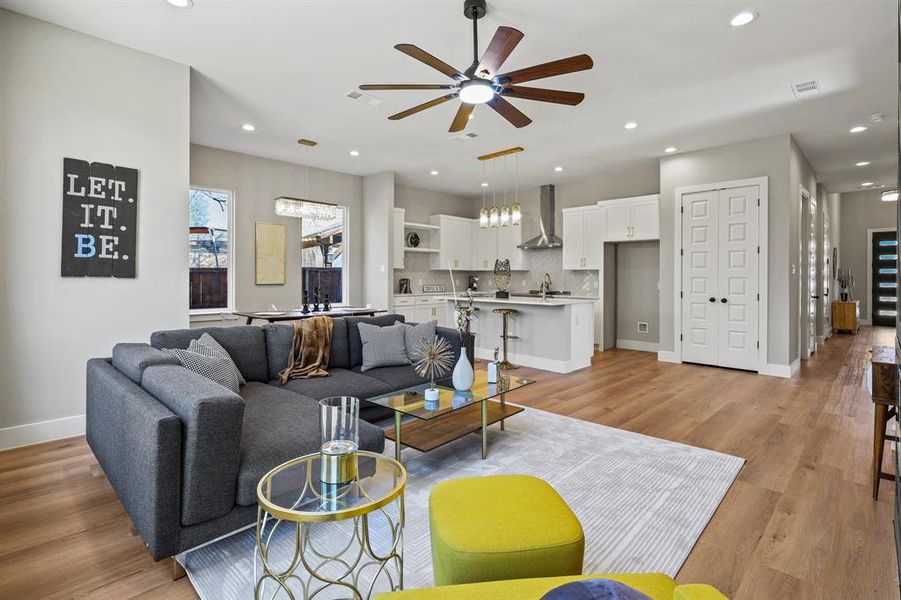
(413,334)
(214,368)
(207,344)
(383,346)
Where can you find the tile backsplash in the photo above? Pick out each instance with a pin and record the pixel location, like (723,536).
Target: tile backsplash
(581,283)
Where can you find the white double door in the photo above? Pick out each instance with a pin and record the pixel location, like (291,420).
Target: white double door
(720,277)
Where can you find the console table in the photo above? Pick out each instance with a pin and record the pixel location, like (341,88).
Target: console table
(846,316)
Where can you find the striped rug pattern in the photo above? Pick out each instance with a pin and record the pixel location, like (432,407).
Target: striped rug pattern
(643,502)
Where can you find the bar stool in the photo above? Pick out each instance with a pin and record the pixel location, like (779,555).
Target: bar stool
(505,313)
(883,387)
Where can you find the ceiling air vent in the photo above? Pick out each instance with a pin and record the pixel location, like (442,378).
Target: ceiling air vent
(806,88)
(363,98)
(465,136)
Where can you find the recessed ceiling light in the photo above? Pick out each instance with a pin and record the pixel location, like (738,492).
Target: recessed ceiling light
(862,163)
(890,196)
(354,153)
(743,18)
(669,149)
(866,184)
(858,129)
(631,125)
(484,184)
(433,172)
(248,127)
(181,3)
(876,118)
(558,169)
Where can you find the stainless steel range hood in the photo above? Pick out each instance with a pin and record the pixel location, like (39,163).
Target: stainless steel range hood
(546,214)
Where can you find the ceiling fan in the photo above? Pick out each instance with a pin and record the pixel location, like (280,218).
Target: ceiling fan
(481,83)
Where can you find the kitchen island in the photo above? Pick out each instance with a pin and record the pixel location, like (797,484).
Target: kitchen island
(556,334)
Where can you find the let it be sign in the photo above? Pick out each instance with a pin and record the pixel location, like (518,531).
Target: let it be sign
(100,209)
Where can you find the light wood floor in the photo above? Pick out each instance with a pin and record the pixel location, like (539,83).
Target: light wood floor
(799,522)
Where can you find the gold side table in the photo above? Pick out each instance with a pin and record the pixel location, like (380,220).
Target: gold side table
(292,497)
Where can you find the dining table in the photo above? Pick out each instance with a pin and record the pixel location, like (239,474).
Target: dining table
(274,316)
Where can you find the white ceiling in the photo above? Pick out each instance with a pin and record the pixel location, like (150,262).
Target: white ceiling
(675,67)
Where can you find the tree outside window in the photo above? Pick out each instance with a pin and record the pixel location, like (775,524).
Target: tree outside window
(208,249)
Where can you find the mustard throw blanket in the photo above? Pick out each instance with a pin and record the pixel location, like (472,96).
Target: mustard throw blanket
(310,349)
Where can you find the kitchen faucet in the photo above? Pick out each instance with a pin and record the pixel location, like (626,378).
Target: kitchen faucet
(545,287)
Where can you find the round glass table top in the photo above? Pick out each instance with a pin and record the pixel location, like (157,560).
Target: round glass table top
(293,491)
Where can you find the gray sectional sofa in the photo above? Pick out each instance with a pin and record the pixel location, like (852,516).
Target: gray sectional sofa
(184,454)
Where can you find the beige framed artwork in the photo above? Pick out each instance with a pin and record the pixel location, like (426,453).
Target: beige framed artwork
(271,253)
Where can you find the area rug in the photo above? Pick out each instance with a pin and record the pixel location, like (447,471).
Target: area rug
(643,502)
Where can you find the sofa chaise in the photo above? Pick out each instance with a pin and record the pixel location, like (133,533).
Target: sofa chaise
(185,454)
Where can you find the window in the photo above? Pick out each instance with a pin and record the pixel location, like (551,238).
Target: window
(209,250)
(322,254)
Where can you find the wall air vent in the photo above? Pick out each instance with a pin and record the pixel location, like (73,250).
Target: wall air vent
(363,98)
(806,88)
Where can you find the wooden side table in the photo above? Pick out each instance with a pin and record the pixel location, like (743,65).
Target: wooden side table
(846,316)
(883,390)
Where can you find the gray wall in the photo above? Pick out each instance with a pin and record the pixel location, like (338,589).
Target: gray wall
(65,94)
(765,157)
(420,204)
(378,266)
(861,211)
(637,272)
(256,182)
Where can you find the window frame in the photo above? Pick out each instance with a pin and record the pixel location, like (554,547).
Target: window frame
(345,267)
(230,275)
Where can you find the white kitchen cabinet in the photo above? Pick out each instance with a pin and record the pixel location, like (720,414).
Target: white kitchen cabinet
(397,235)
(404,305)
(491,243)
(631,219)
(583,228)
(455,243)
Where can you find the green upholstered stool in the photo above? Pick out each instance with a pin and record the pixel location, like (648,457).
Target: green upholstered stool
(502,527)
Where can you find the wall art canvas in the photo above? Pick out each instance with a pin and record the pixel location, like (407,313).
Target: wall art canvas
(100,220)
(271,253)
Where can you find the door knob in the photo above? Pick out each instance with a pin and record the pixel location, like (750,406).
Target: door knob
(723,300)
(712,299)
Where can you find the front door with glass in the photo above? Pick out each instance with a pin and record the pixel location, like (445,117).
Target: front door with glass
(883,294)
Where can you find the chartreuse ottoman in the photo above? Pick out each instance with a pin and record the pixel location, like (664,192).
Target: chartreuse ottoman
(502,527)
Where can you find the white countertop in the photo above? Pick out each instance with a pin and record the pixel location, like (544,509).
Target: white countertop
(522,300)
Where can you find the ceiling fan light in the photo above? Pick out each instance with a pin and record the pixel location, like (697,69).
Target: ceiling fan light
(476,91)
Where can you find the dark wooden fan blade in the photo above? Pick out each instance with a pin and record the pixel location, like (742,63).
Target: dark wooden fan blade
(462,117)
(563,66)
(424,57)
(502,44)
(422,107)
(509,112)
(407,86)
(543,95)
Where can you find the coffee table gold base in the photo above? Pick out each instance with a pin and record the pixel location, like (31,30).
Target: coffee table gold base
(355,569)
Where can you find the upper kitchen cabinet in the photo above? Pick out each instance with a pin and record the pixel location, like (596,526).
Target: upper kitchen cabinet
(455,243)
(583,229)
(491,243)
(631,219)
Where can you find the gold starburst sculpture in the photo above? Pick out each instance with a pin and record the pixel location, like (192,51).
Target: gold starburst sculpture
(434,358)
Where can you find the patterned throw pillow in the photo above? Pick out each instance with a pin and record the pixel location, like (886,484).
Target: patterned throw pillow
(383,346)
(594,589)
(206,344)
(413,334)
(215,368)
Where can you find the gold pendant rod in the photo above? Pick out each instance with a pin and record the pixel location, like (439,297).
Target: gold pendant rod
(500,153)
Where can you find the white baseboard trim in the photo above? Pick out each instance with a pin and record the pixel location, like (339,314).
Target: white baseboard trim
(821,339)
(668,356)
(866,322)
(42,431)
(774,370)
(795,366)
(637,345)
(537,362)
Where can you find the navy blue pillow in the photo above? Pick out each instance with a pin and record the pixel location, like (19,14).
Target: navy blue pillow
(594,589)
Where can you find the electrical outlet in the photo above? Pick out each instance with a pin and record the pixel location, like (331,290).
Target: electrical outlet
(642,327)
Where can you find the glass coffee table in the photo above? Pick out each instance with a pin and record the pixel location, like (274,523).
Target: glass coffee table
(454,415)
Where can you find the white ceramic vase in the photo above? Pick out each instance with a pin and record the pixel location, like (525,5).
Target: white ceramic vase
(463,375)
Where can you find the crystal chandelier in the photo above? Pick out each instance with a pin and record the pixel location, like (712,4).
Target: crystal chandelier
(286,206)
(507,214)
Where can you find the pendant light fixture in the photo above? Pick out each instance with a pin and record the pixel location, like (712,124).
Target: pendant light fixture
(483,214)
(515,211)
(505,208)
(493,214)
(508,214)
